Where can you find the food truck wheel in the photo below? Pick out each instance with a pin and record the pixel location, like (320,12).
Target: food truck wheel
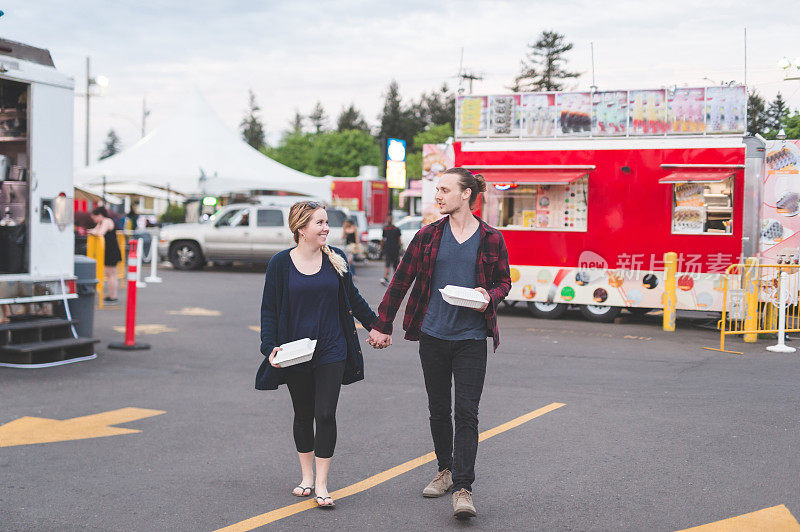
(601,313)
(638,312)
(186,255)
(551,311)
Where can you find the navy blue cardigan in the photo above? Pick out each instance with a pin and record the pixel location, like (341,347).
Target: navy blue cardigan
(275,315)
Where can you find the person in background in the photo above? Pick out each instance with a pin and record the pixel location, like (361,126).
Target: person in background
(350,235)
(309,293)
(461,250)
(134,218)
(104,226)
(390,249)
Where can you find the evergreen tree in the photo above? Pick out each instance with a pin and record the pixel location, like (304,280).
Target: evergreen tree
(543,66)
(112,145)
(318,118)
(391,117)
(252,129)
(296,124)
(351,119)
(777,113)
(756,114)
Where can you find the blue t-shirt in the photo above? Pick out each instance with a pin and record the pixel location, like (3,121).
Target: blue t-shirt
(455,264)
(314,313)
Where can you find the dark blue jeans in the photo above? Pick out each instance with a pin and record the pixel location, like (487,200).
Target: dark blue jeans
(462,362)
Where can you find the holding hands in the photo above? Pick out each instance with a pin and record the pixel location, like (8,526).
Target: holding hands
(378,340)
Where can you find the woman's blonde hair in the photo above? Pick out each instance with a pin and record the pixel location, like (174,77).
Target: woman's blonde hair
(299,216)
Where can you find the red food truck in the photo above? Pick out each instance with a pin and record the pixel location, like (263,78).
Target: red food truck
(590,190)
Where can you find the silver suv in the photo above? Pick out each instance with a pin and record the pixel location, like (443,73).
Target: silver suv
(241,232)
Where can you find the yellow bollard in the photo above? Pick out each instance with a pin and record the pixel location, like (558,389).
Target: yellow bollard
(751,282)
(96,249)
(670,298)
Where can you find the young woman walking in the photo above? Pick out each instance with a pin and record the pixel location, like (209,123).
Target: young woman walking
(309,293)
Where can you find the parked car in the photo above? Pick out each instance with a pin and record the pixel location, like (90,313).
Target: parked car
(241,232)
(408,228)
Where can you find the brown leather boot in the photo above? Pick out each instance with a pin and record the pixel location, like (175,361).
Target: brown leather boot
(440,485)
(463,507)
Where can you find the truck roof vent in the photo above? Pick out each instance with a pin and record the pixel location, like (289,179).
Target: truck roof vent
(26,52)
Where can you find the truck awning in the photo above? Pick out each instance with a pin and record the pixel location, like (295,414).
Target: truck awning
(532,175)
(697,176)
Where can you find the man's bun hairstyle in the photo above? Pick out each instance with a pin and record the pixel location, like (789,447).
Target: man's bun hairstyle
(467,180)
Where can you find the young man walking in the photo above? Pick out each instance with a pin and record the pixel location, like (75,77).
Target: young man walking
(390,249)
(452,340)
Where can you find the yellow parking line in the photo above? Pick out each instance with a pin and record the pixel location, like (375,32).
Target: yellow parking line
(775,518)
(286,511)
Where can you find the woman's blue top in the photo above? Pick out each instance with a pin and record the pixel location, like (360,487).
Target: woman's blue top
(314,314)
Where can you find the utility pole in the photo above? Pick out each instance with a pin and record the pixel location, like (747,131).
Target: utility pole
(88,88)
(466,74)
(145,114)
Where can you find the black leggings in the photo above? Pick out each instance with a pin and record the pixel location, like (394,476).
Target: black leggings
(314,398)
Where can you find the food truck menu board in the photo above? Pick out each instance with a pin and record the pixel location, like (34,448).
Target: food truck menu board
(609,113)
(506,117)
(726,109)
(555,207)
(574,113)
(686,111)
(648,112)
(539,115)
(780,210)
(472,116)
(657,112)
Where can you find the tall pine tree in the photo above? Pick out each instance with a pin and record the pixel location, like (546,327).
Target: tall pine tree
(756,113)
(543,68)
(252,129)
(351,119)
(318,118)
(777,113)
(296,123)
(112,145)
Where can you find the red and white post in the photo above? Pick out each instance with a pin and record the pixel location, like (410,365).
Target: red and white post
(130,307)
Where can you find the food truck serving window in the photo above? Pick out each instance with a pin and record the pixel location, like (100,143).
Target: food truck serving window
(554,200)
(702,201)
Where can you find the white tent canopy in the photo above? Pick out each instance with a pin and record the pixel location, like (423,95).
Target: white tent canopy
(194,152)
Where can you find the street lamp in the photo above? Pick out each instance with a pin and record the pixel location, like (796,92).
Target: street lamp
(791,69)
(100,81)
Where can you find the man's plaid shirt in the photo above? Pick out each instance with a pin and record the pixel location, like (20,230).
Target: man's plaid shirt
(491,272)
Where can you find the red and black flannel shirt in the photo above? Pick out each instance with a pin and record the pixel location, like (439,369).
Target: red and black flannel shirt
(491,272)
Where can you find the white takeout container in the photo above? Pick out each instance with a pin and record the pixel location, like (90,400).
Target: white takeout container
(462,296)
(295,352)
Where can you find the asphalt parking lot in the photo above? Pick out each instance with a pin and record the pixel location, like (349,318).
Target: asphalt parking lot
(630,427)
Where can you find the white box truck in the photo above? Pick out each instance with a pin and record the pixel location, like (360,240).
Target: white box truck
(36,211)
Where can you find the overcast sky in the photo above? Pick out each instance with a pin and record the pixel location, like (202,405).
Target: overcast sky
(293,53)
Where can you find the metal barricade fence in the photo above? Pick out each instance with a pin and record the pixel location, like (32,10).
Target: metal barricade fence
(751,301)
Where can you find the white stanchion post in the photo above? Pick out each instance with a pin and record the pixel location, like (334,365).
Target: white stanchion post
(154,278)
(783,292)
(139,258)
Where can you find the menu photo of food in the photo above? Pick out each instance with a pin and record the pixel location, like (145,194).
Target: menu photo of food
(686,111)
(574,113)
(689,194)
(688,220)
(471,116)
(609,113)
(539,115)
(505,113)
(647,112)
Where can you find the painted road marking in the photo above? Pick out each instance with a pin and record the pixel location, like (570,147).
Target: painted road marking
(195,311)
(29,430)
(153,328)
(286,511)
(567,332)
(777,518)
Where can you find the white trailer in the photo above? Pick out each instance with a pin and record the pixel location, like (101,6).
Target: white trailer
(36,211)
